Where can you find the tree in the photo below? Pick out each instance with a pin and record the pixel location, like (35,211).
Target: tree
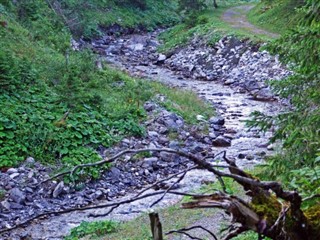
(215,5)
(297,128)
(191,6)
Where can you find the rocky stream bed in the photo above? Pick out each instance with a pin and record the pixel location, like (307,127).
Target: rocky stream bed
(230,75)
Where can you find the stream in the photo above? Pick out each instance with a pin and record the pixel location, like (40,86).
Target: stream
(248,147)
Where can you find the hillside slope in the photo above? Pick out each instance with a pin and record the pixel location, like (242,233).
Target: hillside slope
(56,104)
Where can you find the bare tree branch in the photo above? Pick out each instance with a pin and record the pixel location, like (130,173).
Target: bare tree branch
(164,194)
(311,197)
(183,230)
(117,204)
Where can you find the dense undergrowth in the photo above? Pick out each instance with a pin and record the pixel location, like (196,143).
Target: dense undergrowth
(89,18)
(297,128)
(56,106)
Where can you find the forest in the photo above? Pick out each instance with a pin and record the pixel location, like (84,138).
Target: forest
(104,103)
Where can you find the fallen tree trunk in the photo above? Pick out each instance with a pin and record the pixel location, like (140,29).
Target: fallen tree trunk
(271,212)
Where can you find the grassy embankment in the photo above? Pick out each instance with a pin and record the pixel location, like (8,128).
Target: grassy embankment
(56,106)
(275,16)
(209,26)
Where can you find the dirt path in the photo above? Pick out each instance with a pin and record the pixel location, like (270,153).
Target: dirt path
(237,18)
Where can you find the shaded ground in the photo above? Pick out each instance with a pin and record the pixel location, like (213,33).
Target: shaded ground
(237,18)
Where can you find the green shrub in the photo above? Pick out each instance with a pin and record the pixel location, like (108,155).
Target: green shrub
(92,229)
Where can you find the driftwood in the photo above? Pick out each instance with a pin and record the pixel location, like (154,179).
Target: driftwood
(271,211)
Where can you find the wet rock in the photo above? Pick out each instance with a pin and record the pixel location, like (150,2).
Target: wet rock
(221,142)
(17,196)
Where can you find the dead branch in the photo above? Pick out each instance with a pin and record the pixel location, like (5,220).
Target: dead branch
(241,212)
(184,230)
(165,179)
(144,190)
(236,232)
(117,204)
(170,188)
(311,197)
(133,152)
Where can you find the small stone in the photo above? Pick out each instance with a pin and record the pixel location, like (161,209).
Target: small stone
(163,140)
(163,130)
(149,162)
(174,145)
(30,160)
(161,58)
(212,135)
(16,206)
(270,147)
(165,156)
(14,175)
(5,204)
(249,157)
(153,134)
(217,120)
(149,106)
(241,155)
(12,170)
(58,189)
(17,195)
(29,190)
(162,164)
(221,142)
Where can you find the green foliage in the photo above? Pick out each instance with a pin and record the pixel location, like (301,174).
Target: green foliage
(2,194)
(92,230)
(298,127)
(89,18)
(55,105)
(248,236)
(191,6)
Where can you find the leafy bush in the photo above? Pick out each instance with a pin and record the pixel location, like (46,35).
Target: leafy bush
(298,127)
(92,229)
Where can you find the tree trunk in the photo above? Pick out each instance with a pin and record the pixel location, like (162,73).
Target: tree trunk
(215,4)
